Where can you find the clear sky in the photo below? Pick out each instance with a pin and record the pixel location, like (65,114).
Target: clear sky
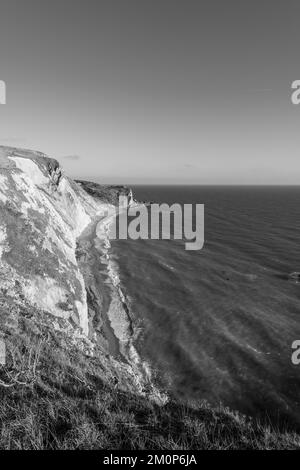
(154,91)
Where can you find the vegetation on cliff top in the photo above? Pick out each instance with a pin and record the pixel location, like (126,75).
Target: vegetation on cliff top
(57,399)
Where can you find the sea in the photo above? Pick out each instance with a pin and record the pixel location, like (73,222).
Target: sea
(217,325)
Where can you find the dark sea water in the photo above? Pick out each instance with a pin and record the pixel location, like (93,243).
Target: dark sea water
(218,324)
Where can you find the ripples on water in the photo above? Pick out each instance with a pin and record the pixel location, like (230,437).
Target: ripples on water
(218,324)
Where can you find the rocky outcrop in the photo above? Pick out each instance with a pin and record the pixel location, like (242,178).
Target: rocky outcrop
(107,193)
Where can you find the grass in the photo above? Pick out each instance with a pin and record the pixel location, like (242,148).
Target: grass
(66,403)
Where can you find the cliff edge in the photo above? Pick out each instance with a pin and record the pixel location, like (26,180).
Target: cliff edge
(51,260)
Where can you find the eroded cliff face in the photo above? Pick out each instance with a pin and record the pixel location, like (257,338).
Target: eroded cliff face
(55,268)
(42,214)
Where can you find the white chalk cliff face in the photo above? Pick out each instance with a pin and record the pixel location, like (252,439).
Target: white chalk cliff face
(42,214)
(55,269)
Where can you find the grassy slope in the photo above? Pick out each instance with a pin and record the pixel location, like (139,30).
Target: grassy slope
(68,405)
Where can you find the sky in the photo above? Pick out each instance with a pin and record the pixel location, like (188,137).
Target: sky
(154,91)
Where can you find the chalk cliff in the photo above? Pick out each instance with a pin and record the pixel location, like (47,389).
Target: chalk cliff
(49,264)
(42,214)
